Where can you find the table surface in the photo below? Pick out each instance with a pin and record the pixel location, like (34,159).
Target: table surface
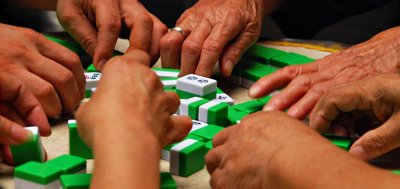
(57,144)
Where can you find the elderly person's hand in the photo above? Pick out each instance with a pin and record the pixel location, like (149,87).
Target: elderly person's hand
(214,30)
(370,106)
(96,26)
(304,84)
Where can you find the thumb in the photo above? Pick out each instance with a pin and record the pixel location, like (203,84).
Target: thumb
(378,141)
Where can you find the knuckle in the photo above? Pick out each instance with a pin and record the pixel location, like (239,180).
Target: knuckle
(169,40)
(212,45)
(113,25)
(46,90)
(191,47)
(291,71)
(66,78)
(145,19)
(161,28)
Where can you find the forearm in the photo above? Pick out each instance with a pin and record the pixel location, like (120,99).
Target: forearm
(326,166)
(33,4)
(126,160)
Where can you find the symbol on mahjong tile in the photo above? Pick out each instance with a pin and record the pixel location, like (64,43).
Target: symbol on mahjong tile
(196,123)
(192,78)
(202,81)
(222,97)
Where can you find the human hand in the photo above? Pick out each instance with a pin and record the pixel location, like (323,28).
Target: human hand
(52,72)
(304,84)
(214,30)
(248,155)
(96,26)
(141,109)
(376,100)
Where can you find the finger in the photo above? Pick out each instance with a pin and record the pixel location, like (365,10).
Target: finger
(221,137)
(213,159)
(217,178)
(304,106)
(233,52)
(170,49)
(62,79)
(25,102)
(12,133)
(44,92)
(108,22)
(75,21)
(212,47)
(173,102)
(181,126)
(141,26)
(159,30)
(332,103)
(378,141)
(7,109)
(191,48)
(294,91)
(279,79)
(66,58)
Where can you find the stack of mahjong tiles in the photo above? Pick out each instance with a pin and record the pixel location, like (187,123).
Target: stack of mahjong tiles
(260,61)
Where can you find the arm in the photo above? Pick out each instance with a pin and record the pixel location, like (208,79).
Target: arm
(128,129)
(273,150)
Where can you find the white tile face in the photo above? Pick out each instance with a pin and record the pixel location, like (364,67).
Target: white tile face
(33,129)
(92,90)
(169,74)
(24,184)
(165,155)
(196,84)
(92,79)
(203,110)
(71,121)
(184,107)
(224,98)
(169,83)
(197,125)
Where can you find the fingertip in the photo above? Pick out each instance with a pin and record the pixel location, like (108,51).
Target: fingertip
(255,91)
(227,67)
(100,64)
(269,107)
(19,134)
(359,152)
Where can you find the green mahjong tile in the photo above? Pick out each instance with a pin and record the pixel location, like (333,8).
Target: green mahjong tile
(219,91)
(76,146)
(69,164)
(253,71)
(191,159)
(71,45)
(194,108)
(167,181)
(37,172)
(28,151)
(249,106)
(209,145)
(262,54)
(339,141)
(218,114)
(397,172)
(234,116)
(290,59)
(208,132)
(265,99)
(91,68)
(186,95)
(76,181)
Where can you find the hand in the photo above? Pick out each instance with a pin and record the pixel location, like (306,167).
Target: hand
(306,83)
(19,108)
(214,30)
(247,155)
(96,26)
(374,99)
(143,108)
(53,73)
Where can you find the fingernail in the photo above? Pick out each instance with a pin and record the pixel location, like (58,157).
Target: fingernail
(269,108)
(228,67)
(20,134)
(359,152)
(254,90)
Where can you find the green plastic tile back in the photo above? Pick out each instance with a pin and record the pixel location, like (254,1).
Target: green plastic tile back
(253,71)
(69,164)
(219,91)
(290,59)
(208,132)
(28,151)
(339,141)
(88,93)
(166,69)
(262,54)
(209,145)
(249,106)
(91,68)
(76,181)
(167,181)
(192,159)
(265,99)
(194,137)
(186,95)
(194,108)
(397,172)
(37,173)
(76,146)
(234,116)
(218,114)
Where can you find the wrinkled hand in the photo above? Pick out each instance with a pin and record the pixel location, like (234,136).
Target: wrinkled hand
(245,155)
(132,102)
(377,100)
(53,73)
(304,84)
(214,30)
(96,26)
